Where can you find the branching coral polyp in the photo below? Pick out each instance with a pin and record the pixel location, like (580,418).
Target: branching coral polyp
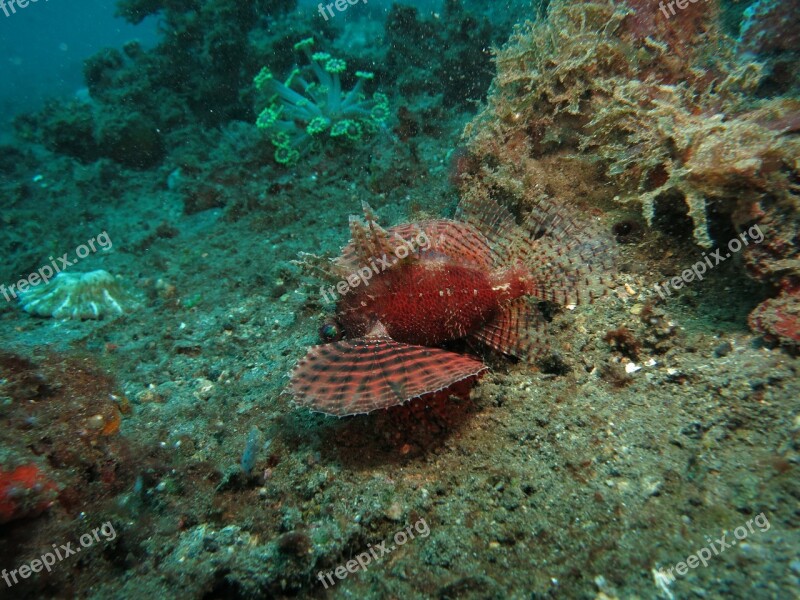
(299,112)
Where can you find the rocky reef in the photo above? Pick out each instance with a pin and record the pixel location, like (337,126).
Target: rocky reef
(661,113)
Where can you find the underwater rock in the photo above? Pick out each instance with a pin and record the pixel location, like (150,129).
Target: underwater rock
(769,32)
(681,30)
(99,71)
(88,131)
(462,71)
(733,163)
(663,124)
(134,142)
(92,295)
(770,26)
(68,128)
(779,318)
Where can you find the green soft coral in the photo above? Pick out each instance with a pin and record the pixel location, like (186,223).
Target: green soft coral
(301,113)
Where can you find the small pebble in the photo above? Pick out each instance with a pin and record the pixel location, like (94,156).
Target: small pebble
(394,512)
(795,567)
(723,349)
(95,422)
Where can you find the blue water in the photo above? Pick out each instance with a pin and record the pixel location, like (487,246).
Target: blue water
(43,46)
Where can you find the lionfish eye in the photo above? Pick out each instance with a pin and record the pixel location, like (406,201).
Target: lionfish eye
(330,331)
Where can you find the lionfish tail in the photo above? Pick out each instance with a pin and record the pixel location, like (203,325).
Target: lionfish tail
(570,261)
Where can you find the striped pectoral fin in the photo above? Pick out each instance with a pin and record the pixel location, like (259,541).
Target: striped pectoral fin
(358,376)
(572,261)
(494,222)
(517,330)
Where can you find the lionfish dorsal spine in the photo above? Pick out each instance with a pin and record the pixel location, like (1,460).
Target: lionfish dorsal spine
(369,239)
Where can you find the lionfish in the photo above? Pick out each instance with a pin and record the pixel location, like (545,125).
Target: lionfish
(479,277)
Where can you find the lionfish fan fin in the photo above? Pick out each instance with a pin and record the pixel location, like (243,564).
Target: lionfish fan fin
(358,376)
(518,330)
(494,222)
(570,261)
(460,242)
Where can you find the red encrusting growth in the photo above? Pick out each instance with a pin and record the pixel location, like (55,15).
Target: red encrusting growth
(25,492)
(475,278)
(779,318)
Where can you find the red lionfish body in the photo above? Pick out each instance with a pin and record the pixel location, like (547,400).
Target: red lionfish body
(472,278)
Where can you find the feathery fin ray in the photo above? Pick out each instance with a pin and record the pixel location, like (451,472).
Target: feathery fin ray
(362,375)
